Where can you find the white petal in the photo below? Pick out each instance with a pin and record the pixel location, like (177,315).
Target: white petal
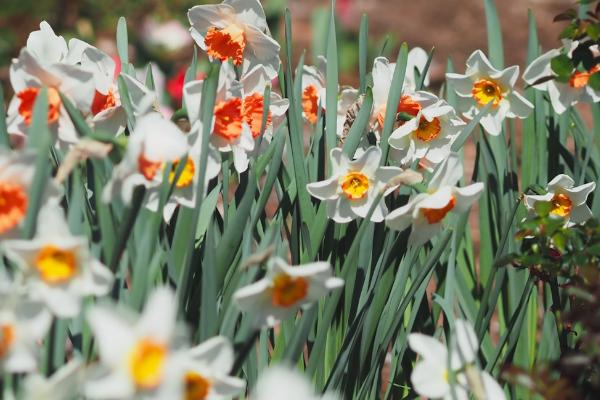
(465,344)
(520,107)
(428,379)
(324,190)
(159,316)
(466,196)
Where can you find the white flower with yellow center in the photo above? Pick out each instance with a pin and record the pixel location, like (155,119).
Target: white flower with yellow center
(27,77)
(482,84)
(153,144)
(57,267)
(23,324)
(136,354)
(283,382)
(17,169)
(568,201)
(426,211)
(204,371)
(64,384)
(562,94)
(354,185)
(231,123)
(428,136)
(431,376)
(285,289)
(235,30)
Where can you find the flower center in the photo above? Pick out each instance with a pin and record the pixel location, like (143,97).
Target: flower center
(196,386)
(13,205)
(252,109)
(228,118)
(55,265)
(7,337)
(405,105)
(148,168)
(355,185)
(310,103)
(288,290)
(435,215)
(146,363)
(187,175)
(427,130)
(485,90)
(27,100)
(561,205)
(103,101)
(226,43)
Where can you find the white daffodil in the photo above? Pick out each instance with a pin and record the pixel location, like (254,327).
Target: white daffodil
(432,375)
(154,142)
(482,84)
(354,185)
(347,98)
(136,354)
(235,30)
(57,267)
(562,95)
(415,64)
(313,89)
(17,170)
(23,324)
(283,382)
(205,371)
(426,211)
(49,48)
(64,384)
(231,131)
(285,289)
(27,77)
(428,136)
(568,201)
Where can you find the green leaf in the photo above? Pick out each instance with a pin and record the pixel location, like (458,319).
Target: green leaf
(363,43)
(123,43)
(542,208)
(494,34)
(4,139)
(331,85)
(562,66)
(594,81)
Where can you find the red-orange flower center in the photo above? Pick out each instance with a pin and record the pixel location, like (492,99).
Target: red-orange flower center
(226,43)
(7,337)
(435,215)
(288,290)
(252,109)
(310,103)
(13,205)
(103,101)
(148,168)
(405,105)
(228,118)
(27,100)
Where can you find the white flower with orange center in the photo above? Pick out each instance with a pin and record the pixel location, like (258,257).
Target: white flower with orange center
(562,94)
(232,119)
(285,289)
(236,31)
(153,144)
(136,353)
(17,169)
(23,324)
(482,84)
(443,373)
(27,77)
(429,135)
(313,89)
(568,201)
(58,268)
(426,211)
(353,186)
(284,382)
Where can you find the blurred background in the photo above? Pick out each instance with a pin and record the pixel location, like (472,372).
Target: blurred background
(158,30)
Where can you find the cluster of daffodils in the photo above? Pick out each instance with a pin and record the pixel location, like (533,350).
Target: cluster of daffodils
(409,176)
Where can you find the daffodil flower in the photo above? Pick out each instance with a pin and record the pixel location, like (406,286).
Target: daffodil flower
(136,353)
(313,89)
(431,377)
(153,144)
(482,84)
(236,30)
(354,185)
(17,169)
(281,381)
(23,323)
(429,135)
(568,201)
(27,77)
(426,211)
(562,95)
(57,267)
(232,121)
(285,289)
